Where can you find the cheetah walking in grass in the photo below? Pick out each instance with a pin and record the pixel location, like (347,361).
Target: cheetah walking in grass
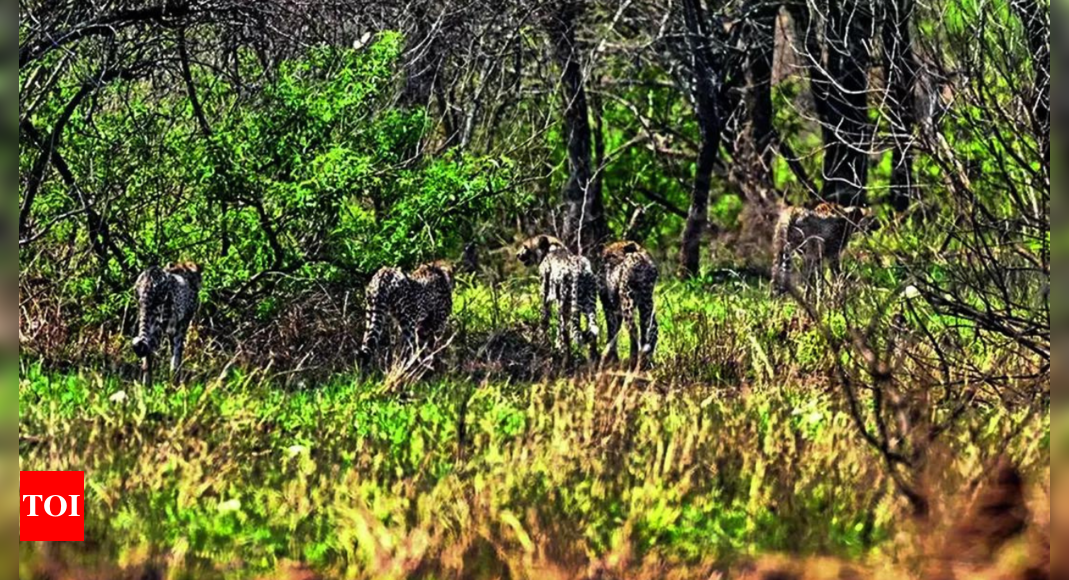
(418,303)
(568,282)
(167,299)
(819,235)
(629,277)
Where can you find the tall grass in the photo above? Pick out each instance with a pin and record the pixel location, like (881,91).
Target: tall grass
(237,476)
(735,445)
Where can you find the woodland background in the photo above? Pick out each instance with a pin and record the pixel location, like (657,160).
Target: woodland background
(292,147)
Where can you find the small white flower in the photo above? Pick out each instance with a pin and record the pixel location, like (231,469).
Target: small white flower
(912,293)
(296,450)
(229,507)
(119,397)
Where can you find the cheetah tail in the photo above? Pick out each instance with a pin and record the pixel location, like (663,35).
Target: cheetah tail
(586,304)
(372,326)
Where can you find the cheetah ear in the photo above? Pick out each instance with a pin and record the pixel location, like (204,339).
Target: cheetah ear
(631,248)
(543,243)
(856,213)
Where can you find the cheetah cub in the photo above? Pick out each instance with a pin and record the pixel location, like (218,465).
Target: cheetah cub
(819,235)
(629,277)
(568,282)
(166,300)
(419,303)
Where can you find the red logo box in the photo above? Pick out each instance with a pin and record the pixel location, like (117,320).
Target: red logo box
(51,506)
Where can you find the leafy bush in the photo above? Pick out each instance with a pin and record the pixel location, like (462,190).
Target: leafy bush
(317,175)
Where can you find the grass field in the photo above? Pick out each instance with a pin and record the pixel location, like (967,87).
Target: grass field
(737,445)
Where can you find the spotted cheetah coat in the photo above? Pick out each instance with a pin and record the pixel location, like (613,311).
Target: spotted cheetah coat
(567,283)
(819,236)
(167,299)
(418,303)
(629,277)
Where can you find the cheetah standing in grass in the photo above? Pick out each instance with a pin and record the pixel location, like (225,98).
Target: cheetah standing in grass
(419,303)
(568,281)
(820,235)
(166,300)
(629,277)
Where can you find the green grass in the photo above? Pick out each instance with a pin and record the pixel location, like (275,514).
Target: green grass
(241,471)
(737,445)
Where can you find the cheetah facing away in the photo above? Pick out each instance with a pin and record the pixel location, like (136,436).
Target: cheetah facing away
(819,235)
(419,303)
(567,281)
(166,298)
(629,277)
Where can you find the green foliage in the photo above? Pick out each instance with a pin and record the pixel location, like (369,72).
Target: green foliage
(726,210)
(239,470)
(316,174)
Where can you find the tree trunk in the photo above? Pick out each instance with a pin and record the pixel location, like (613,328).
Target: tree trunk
(706,86)
(585,227)
(901,66)
(846,162)
(840,86)
(698,216)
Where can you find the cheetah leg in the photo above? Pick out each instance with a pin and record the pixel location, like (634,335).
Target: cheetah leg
(612,323)
(544,327)
(178,346)
(428,337)
(649,330)
(581,305)
(565,306)
(425,336)
(627,304)
(409,343)
(811,277)
(591,307)
(564,333)
(146,371)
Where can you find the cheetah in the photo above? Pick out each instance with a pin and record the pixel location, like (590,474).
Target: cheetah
(568,281)
(419,303)
(819,235)
(166,298)
(628,279)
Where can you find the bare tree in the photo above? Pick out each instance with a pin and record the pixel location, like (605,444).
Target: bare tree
(760,56)
(1035,18)
(585,226)
(991,268)
(836,46)
(705,92)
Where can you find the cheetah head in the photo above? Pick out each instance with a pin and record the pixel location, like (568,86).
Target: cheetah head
(862,219)
(615,253)
(190,271)
(448,272)
(534,250)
